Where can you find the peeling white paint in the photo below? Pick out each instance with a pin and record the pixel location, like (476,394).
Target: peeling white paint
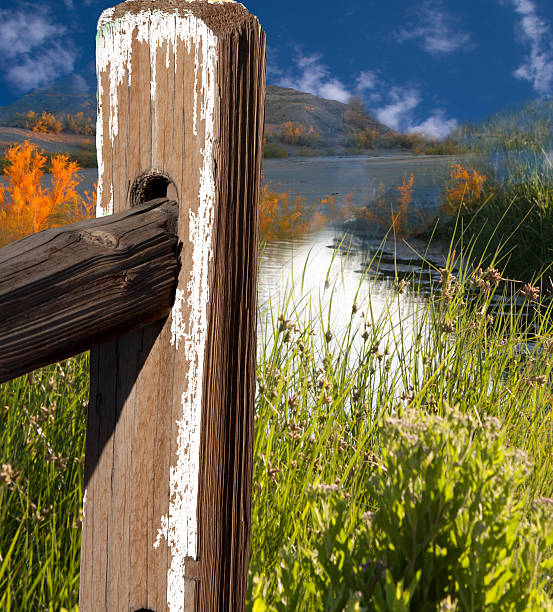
(181,529)
(84,503)
(189,322)
(177,321)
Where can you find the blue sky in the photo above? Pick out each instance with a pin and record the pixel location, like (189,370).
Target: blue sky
(424,65)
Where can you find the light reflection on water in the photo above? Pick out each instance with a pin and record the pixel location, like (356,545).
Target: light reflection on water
(309,268)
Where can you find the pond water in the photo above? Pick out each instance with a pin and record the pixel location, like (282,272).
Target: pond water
(359,180)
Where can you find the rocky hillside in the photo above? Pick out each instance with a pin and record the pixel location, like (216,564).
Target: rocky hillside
(69,95)
(331,120)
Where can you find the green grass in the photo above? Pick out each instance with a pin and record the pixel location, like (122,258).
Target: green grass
(514,221)
(322,383)
(42,427)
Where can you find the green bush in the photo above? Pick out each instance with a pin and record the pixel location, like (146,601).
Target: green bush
(271,149)
(452,530)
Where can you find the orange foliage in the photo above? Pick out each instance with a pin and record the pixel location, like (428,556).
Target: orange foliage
(297,133)
(282,217)
(26,206)
(462,189)
(365,139)
(47,123)
(386,215)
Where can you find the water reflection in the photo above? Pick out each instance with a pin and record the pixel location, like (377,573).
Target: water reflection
(328,272)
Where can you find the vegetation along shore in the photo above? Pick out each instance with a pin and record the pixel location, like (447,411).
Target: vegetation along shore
(403,457)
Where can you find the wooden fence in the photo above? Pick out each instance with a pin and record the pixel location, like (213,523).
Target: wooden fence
(161,286)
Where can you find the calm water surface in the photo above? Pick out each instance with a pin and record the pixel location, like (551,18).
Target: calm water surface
(358,179)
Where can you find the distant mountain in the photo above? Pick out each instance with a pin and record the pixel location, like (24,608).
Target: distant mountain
(70,95)
(332,120)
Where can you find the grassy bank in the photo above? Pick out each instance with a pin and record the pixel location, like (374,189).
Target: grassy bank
(323,387)
(514,221)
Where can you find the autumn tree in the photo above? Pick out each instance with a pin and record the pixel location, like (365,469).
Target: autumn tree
(463,189)
(355,116)
(26,206)
(47,123)
(296,133)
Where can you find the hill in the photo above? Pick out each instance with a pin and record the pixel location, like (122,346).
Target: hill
(329,120)
(332,120)
(69,95)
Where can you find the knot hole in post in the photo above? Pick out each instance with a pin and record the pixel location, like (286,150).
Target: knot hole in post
(150,186)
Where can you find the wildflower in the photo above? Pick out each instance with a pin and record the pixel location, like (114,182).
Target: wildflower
(448,327)
(354,308)
(59,462)
(365,335)
(8,475)
(444,275)
(479,281)
(328,335)
(530,293)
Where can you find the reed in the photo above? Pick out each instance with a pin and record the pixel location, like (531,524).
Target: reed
(477,342)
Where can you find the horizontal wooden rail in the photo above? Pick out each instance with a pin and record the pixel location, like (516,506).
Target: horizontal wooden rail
(66,289)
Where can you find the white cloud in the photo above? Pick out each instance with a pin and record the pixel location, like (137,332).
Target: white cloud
(39,71)
(436,29)
(536,34)
(312,76)
(366,80)
(79,84)
(398,112)
(21,32)
(32,52)
(436,126)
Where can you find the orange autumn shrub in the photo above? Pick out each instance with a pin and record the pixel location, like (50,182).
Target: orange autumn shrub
(280,216)
(26,206)
(47,123)
(364,139)
(392,215)
(297,133)
(463,189)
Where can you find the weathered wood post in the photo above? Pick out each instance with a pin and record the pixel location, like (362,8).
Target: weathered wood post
(181,87)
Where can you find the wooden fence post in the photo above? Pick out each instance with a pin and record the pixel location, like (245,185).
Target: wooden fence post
(166,509)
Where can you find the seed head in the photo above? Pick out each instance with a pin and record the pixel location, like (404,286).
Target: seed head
(530,293)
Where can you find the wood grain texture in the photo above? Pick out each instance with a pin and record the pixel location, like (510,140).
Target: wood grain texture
(170,426)
(66,289)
